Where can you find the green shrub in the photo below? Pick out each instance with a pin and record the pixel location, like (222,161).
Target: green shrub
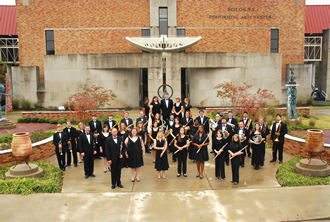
(298,121)
(39,135)
(35,119)
(37,105)
(41,120)
(20,120)
(7,138)
(15,103)
(309,101)
(299,102)
(305,115)
(287,121)
(53,121)
(285,114)
(312,122)
(286,175)
(61,121)
(271,110)
(300,127)
(50,182)
(211,115)
(26,104)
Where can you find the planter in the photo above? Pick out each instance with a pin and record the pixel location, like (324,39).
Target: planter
(315,141)
(21,146)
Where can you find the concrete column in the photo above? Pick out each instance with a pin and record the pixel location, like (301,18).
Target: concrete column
(155,79)
(173,74)
(324,77)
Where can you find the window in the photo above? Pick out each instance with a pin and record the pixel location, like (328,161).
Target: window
(181,33)
(50,48)
(163,21)
(145,32)
(274,40)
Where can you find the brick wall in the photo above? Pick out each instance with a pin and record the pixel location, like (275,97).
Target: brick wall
(300,111)
(41,152)
(298,149)
(68,115)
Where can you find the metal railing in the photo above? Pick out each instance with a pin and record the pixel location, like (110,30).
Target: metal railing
(313,49)
(9,50)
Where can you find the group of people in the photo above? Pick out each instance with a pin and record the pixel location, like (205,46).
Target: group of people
(125,145)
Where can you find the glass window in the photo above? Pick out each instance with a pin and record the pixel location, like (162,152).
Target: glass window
(274,36)
(50,47)
(163,21)
(145,32)
(181,32)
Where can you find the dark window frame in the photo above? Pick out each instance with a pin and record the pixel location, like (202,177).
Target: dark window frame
(163,19)
(274,40)
(50,44)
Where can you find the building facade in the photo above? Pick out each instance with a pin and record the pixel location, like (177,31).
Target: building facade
(67,43)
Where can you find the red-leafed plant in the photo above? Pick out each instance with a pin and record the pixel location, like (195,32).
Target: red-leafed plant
(91,98)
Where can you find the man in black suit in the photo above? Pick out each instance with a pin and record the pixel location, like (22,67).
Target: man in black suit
(214,130)
(87,150)
(166,106)
(187,121)
(248,125)
(279,129)
(111,123)
(265,130)
(246,134)
(127,121)
(232,119)
(203,120)
(60,140)
(115,150)
(95,129)
(225,127)
(143,119)
(71,132)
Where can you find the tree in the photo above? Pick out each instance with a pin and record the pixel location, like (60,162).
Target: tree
(3,71)
(91,98)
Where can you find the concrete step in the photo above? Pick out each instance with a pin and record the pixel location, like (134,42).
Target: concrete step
(314,164)
(308,170)
(22,170)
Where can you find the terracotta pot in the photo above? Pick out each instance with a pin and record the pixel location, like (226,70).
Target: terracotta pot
(21,146)
(315,141)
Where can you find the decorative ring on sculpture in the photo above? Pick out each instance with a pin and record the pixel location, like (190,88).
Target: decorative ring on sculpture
(166,90)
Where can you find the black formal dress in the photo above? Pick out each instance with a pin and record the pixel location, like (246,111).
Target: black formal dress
(228,140)
(86,146)
(246,121)
(257,155)
(72,135)
(143,136)
(110,124)
(182,155)
(264,128)
(102,139)
(204,120)
(60,138)
(166,108)
(214,132)
(202,155)
(244,143)
(78,132)
(235,162)
(220,160)
(177,108)
(123,136)
(154,133)
(193,148)
(176,130)
(128,122)
(278,146)
(114,148)
(135,152)
(96,127)
(161,163)
(146,110)
(187,108)
(155,109)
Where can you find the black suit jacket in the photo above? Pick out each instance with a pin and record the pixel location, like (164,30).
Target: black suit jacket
(265,129)
(233,121)
(98,128)
(283,131)
(166,111)
(247,134)
(230,131)
(184,121)
(64,141)
(205,123)
(130,122)
(72,135)
(85,146)
(112,150)
(168,124)
(108,124)
(247,120)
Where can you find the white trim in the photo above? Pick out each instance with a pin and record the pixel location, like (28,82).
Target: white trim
(326,145)
(105,110)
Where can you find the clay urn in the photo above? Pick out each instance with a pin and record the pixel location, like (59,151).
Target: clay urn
(315,141)
(21,146)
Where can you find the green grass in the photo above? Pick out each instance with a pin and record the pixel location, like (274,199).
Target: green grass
(319,107)
(50,182)
(288,178)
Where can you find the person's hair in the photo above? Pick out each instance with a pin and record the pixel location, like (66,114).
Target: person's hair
(94,115)
(154,98)
(87,126)
(58,125)
(110,114)
(126,113)
(157,114)
(79,124)
(186,99)
(196,120)
(219,131)
(68,121)
(171,114)
(217,115)
(131,133)
(235,135)
(105,126)
(177,118)
(278,114)
(139,129)
(245,112)
(141,111)
(163,137)
(201,111)
(178,98)
(167,93)
(153,123)
(223,118)
(255,127)
(179,136)
(120,126)
(230,111)
(201,126)
(187,111)
(261,118)
(145,100)
(241,121)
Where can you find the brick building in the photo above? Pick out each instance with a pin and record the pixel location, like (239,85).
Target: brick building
(66,43)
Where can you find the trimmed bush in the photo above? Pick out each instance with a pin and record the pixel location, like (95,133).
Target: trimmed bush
(35,119)
(298,121)
(26,104)
(305,115)
(37,105)
(15,103)
(309,101)
(300,127)
(299,102)
(312,122)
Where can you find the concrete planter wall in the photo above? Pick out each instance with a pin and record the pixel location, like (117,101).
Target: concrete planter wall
(40,151)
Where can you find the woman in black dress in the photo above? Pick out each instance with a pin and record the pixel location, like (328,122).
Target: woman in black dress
(161,163)
(178,109)
(146,108)
(134,153)
(182,144)
(187,106)
(79,131)
(219,142)
(157,119)
(193,149)
(103,136)
(234,147)
(143,134)
(153,135)
(257,149)
(201,141)
(175,132)
(123,133)
(154,107)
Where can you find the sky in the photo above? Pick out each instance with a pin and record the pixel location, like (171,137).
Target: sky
(308,2)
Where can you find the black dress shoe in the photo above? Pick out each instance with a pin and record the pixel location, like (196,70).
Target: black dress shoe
(113,186)
(250,156)
(63,169)
(67,165)
(86,176)
(280,162)
(272,161)
(92,175)
(120,186)
(179,175)
(227,164)
(75,165)
(242,165)
(212,151)
(174,161)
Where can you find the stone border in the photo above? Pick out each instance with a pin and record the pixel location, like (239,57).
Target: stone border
(300,110)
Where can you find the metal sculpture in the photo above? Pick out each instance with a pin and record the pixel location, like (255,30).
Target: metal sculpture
(2,92)
(292,95)
(166,89)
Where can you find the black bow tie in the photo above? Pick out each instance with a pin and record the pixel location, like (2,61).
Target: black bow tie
(114,137)
(87,134)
